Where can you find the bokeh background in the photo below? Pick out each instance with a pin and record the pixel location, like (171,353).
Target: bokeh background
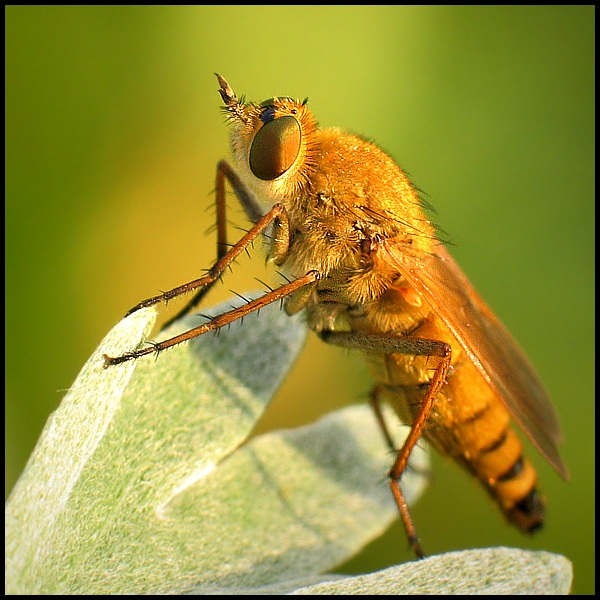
(112,134)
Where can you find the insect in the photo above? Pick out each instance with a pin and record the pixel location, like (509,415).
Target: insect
(367,268)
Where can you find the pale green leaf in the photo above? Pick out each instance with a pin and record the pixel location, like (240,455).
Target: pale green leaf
(142,481)
(489,571)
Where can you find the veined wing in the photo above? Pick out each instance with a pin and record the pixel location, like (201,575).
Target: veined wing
(442,284)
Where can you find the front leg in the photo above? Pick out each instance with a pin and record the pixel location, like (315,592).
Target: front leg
(204,283)
(252,210)
(310,279)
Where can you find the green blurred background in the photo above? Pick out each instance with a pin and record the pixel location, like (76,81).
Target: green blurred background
(112,135)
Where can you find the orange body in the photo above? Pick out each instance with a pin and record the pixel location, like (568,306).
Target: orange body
(355,218)
(468,422)
(370,273)
(361,291)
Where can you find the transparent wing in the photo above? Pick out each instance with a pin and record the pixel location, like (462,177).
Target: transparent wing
(440,281)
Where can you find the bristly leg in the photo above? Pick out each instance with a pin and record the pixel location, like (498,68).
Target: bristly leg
(219,321)
(390,344)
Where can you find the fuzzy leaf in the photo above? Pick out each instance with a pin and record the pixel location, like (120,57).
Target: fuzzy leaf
(489,571)
(142,481)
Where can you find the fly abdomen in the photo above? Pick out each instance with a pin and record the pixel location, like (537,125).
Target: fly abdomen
(469,422)
(479,435)
(516,492)
(497,460)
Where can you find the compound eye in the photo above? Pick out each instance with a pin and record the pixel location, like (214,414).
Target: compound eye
(275,148)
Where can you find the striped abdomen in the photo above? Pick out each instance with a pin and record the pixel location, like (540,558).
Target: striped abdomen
(470,423)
